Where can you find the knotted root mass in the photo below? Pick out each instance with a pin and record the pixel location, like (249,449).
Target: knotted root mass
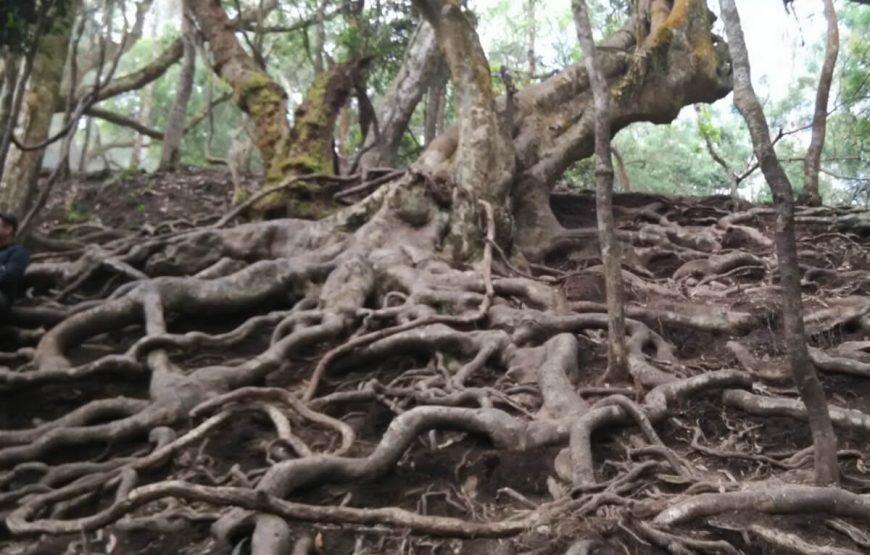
(292,386)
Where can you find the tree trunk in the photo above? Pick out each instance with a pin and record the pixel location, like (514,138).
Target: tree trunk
(22,168)
(812,163)
(304,149)
(320,39)
(172,137)
(255,92)
(805,378)
(422,66)
(145,108)
(678,63)
(83,155)
(483,162)
(11,69)
(617,354)
(533,29)
(309,146)
(624,180)
(16,101)
(434,109)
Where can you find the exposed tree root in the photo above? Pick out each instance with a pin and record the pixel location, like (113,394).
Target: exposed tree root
(768,498)
(764,406)
(256,501)
(306,333)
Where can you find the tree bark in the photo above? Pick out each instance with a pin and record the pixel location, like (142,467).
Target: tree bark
(434,109)
(11,69)
(172,137)
(617,354)
(22,168)
(422,66)
(320,38)
(812,163)
(145,108)
(307,147)
(255,92)
(624,180)
(679,62)
(805,378)
(86,140)
(533,29)
(483,162)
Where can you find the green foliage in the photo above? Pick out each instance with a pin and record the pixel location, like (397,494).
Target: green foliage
(706,128)
(662,158)
(22,20)
(849,128)
(673,159)
(73,214)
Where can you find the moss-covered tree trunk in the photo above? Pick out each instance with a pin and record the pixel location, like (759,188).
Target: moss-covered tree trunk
(287,152)
(22,168)
(255,92)
(308,147)
(8,84)
(509,157)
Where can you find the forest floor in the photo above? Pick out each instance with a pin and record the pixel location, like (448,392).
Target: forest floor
(715,273)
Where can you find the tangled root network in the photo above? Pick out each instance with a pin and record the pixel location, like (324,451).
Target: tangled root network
(298,387)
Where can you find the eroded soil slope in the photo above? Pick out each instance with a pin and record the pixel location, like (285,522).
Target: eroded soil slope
(190,370)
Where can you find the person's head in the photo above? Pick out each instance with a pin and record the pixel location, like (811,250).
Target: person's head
(8,227)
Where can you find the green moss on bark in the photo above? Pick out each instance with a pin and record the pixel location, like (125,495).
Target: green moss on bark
(307,147)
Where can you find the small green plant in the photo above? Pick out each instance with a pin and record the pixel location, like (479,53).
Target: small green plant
(73,214)
(140,208)
(444,308)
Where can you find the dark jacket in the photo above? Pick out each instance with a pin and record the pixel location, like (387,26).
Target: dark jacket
(13,262)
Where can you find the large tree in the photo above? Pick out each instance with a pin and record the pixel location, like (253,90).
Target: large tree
(480,187)
(678,62)
(34,120)
(428,269)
